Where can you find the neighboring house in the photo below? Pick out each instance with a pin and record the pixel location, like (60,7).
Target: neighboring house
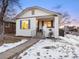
(9,27)
(32,19)
(71,30)
(78,29)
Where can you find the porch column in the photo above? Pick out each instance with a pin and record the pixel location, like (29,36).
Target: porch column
(56,26)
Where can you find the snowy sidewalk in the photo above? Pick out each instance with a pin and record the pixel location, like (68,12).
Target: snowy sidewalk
(17,49)
(4,47)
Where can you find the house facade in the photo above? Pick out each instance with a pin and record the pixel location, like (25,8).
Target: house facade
(32,20)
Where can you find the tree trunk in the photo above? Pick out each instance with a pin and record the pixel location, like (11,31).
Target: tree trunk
(2,14)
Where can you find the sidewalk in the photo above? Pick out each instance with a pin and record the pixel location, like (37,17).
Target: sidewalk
(16,50)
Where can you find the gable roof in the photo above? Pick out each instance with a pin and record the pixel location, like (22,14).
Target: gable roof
(39,8)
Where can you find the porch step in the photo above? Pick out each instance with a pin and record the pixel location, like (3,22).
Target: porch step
(39,35)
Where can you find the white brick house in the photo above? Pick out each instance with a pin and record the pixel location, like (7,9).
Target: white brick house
(32,19)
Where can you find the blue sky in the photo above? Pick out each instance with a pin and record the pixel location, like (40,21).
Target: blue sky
(70,6)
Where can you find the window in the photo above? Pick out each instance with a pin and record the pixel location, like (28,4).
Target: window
(33,12)
(49,23)
(25,24)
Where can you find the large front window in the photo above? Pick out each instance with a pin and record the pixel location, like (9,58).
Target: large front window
(24,24)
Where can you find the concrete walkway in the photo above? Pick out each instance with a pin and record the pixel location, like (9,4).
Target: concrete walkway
(16,50)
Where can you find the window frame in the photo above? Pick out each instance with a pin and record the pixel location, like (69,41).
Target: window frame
(33,11)
(22,25)
(52,23)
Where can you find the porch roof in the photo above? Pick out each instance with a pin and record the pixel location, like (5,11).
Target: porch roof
(43,16)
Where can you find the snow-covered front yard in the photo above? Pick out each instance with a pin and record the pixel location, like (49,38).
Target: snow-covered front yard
(72,39)
(7,46)
(50,49)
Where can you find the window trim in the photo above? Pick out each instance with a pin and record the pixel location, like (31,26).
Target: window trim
(33,11)
(52,23)
(21,24)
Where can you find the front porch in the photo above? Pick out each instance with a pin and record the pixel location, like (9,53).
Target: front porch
(52,26)
(41,22)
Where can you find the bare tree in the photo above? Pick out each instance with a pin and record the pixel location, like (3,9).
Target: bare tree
(65,14)
(66,18)
(6,6)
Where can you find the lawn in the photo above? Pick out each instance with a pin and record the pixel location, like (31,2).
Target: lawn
(11,41)
(50,49)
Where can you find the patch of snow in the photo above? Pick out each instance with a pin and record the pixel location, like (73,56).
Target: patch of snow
(72,39)
(7,46)
(58,50)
